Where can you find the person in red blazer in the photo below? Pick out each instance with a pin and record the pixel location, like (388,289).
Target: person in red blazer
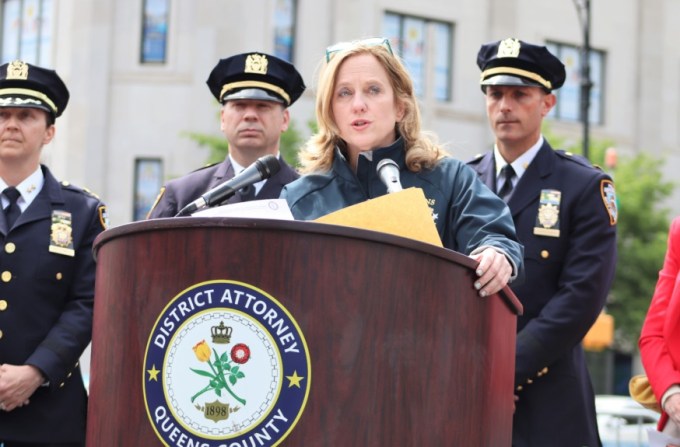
(660,337)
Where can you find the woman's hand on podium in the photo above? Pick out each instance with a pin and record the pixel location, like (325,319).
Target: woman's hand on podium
(494,271)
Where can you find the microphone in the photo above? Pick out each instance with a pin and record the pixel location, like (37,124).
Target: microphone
(263,168)
(388,171)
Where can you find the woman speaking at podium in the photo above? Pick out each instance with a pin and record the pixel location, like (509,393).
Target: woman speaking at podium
(367,112)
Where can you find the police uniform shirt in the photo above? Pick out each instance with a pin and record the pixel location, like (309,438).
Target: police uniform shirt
(28,189)
(238,169)
(520,165)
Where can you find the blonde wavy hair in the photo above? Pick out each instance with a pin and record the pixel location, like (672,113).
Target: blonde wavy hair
(422,149)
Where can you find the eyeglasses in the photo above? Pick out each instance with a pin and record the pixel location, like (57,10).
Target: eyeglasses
(344,46)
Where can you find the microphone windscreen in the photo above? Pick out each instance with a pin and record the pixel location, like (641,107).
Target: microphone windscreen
(388,171)
(386,162)
(270,165)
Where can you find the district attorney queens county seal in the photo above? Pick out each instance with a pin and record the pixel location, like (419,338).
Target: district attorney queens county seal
(226,365)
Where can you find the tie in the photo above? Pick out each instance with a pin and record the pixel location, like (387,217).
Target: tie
(12,211)
(506,190)
(247,193)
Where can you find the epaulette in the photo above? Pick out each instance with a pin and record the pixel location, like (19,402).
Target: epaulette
(68,185)
(580,159)
(209,165)
(477,158)
(101,210)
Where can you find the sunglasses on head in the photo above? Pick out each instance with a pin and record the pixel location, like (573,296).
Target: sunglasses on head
(344,46)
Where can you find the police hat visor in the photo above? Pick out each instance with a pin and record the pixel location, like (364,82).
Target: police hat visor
(254,94)
(25,101)
(515,81)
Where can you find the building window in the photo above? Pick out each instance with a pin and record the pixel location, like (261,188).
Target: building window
(568,107)
(284,29)
(425,47)
(154,31)
(148,182)
(27,31)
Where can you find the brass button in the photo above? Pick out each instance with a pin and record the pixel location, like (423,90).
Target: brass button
(545,254)
(1,334)
(6,276)
(69,375)
(3,305)
(59,276)
(10,247)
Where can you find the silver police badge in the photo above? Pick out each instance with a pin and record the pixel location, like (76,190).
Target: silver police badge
(548,218)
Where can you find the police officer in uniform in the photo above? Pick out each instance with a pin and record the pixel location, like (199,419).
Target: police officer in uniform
(255,90)
(565,214)
(47,270)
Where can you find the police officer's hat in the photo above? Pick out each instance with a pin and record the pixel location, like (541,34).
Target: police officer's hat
(256,76)
(26,85)
(513,62)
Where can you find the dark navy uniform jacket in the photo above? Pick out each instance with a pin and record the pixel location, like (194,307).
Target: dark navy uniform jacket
(567,278)
(46,302)
(178,193)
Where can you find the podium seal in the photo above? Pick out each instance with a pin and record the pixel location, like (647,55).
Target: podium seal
(226,365)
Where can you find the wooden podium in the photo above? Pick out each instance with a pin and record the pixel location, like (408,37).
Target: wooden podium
(403,351)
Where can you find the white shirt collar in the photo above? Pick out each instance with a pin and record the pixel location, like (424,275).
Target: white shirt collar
(28,188)
(522,162)
(238,168)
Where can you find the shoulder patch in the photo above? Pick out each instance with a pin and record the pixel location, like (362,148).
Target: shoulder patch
(609,199)
(103,217)
(155,202)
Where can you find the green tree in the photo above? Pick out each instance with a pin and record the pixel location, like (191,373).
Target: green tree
(216,143)
(642,232)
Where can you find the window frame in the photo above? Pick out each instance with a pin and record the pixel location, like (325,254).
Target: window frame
(154,34)
(40,45)
(290,25)
(148,172)
(425,72)
(569,96)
